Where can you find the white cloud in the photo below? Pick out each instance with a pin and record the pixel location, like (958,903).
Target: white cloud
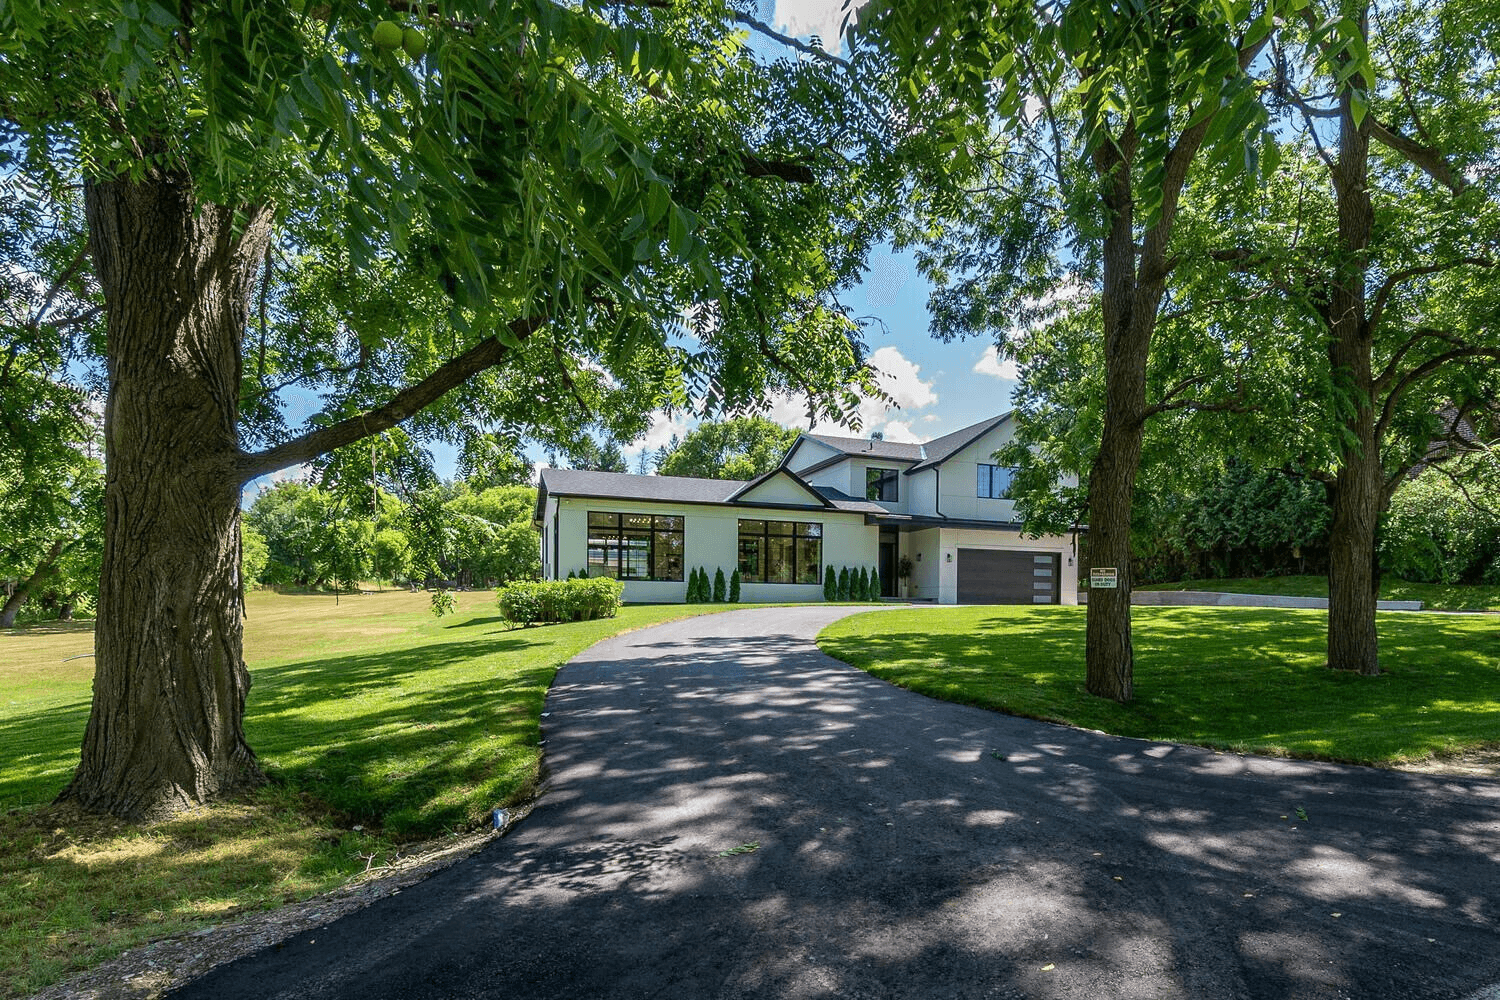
(990,363)
(899,377)
(900,430)
(802,18)
(902,379)
(658,434)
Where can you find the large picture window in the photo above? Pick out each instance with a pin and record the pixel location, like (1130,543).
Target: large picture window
(994,481)
(781,552)
(882,485)
(635,546)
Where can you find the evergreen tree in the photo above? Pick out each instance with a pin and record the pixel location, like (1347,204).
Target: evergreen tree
(830,585)
(844,584)
(734,586)
(719,585)
(875,584)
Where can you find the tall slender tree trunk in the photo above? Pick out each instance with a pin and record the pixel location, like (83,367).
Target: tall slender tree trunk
(165,731)
(1109,656)
(13,603)
(1357,494)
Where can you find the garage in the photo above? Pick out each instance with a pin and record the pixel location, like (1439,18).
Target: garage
(1006,576)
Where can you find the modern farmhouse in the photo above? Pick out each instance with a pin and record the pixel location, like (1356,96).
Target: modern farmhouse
(940,510)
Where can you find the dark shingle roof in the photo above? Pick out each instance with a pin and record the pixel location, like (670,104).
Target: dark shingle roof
(672,489)
(923,456)
(939,450)
(844,501)
(899,450)
(623,486)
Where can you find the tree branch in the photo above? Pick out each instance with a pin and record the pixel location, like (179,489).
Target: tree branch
(793,173)
(57,284)
(486,354)
(1236,405)
(788,40)
(1417,337)
(1397,277)
(1422,371)
(1427,158)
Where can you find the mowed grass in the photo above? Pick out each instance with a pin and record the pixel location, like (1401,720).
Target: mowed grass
(378,725)
(1434,596)
(1243,679)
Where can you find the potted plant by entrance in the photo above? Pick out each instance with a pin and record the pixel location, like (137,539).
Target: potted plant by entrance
(903,573)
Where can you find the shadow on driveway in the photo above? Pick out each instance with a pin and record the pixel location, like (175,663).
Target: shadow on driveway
(909,848)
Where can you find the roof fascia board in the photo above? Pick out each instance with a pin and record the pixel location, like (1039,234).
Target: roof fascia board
(740,505)
(781,471)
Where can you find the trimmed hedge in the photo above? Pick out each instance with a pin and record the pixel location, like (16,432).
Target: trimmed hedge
(573,600)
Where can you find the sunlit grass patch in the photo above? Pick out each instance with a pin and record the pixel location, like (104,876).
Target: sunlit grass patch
(1245,679)
(378,725)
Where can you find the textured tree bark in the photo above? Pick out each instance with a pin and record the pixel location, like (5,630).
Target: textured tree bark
(1357,494)
(12,605)
(165,731)
(1109,656)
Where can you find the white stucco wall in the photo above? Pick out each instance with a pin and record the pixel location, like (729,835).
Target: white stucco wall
(922,547)
(779,488)
(918,496)
(954,539)
(711,540)
(960,477)
(836,476)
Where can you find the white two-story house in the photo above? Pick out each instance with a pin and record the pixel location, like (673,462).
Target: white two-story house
(939,509)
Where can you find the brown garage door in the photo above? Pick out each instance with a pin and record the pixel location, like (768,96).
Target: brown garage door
(997,576)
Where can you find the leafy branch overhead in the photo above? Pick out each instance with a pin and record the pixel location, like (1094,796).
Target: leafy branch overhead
(595,169)
(525,219)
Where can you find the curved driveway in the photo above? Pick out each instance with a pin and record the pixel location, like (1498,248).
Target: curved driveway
(910,848)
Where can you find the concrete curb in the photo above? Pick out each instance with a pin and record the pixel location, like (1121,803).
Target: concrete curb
(1215,599)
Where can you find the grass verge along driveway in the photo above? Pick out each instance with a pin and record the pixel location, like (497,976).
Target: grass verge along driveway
(378,725)
(1244,679)
(1434,596)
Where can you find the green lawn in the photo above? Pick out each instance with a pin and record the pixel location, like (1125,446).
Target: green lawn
(1434,596)
(1244,679)
(378,724)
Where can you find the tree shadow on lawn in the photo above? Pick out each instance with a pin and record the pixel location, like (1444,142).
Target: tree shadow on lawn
(417,740)
(40,752)
(1237,678)
(911,848)
(470,623)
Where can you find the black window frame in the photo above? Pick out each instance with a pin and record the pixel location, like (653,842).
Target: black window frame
(801,531)
(657,530)
(877,477)
(984,481)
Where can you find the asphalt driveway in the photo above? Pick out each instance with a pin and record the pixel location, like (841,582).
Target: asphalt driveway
(893,846)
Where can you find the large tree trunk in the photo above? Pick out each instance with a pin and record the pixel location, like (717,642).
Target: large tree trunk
(1353,580)
(13,603)
(1358,489)
(1110,659)
(165,732)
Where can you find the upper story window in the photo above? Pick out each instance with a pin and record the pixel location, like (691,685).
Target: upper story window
(635,546)
(883,485)
(994,481)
